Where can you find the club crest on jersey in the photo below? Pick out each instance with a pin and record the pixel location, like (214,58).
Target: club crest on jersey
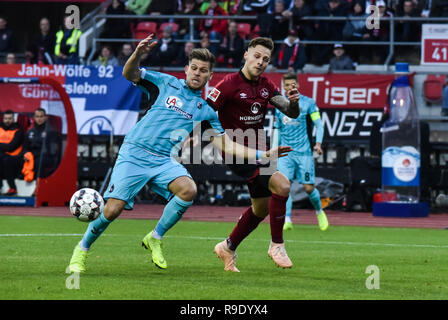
(199,105)
(264,93)
(255,107)
(214,94)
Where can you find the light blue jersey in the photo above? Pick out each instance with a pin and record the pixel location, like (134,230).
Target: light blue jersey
(293,132)
(146,154)
(299,164)
(174,110)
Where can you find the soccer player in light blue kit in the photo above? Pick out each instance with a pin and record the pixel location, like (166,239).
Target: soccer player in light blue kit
(300,162)
(146,155)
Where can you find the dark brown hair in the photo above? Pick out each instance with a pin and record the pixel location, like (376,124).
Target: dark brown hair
(41,110)
(289,76)
(202,54)
(265,42)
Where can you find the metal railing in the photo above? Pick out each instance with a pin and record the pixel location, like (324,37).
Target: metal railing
(88,19)
(391,43)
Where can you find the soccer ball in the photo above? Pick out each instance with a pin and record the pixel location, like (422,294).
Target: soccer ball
(86,204)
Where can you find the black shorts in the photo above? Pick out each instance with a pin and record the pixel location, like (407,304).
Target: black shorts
(257,184)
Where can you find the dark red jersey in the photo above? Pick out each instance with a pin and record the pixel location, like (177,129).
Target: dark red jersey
(242,103)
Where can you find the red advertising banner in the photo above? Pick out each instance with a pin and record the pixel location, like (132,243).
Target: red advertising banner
(336,91)
(350,103)
(347,91)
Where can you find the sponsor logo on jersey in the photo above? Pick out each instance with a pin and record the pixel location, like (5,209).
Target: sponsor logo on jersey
(255,107)
(175,103)
(257,118)
(243,95)
(286,119)
(214,94)
(199,105)
(264,93)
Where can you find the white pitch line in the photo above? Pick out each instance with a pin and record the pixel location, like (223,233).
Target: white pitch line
(350,243)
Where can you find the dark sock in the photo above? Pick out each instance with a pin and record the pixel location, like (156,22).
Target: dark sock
(277,209)
(248,222)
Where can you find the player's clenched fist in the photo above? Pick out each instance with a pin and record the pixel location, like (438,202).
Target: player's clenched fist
(293,95)
(275,153)
(145,45)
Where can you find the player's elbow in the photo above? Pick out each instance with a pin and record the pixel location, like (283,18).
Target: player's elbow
(127,75)
(130,74)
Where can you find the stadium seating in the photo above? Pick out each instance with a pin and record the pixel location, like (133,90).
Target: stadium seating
(144,28)
(24,121)
(255,32)
(56,122)
(173,25)
(433,87)
(244,30)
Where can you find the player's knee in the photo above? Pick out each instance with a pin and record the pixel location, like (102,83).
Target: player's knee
(261,212)
(283,189)
(280,185)
(309,188)
(113,209)
(188,193)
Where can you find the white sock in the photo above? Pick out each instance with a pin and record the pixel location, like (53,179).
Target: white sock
(288,219)
(319,212)
(156,235)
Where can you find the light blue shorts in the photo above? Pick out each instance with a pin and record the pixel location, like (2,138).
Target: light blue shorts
(136,167)
(297,167)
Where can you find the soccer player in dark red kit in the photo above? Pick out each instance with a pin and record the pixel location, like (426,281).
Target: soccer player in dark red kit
(241,100)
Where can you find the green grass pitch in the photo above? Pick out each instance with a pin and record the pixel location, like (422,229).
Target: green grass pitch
(35,251)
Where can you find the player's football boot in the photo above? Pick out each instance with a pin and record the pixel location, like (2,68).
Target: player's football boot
(322,220)
(227,256)
(155,247)
(287,226)
(277,252)
(78,260)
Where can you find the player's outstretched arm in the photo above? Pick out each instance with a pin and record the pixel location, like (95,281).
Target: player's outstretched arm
(224,143)
(131,70)
(289,105)
(317,121)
